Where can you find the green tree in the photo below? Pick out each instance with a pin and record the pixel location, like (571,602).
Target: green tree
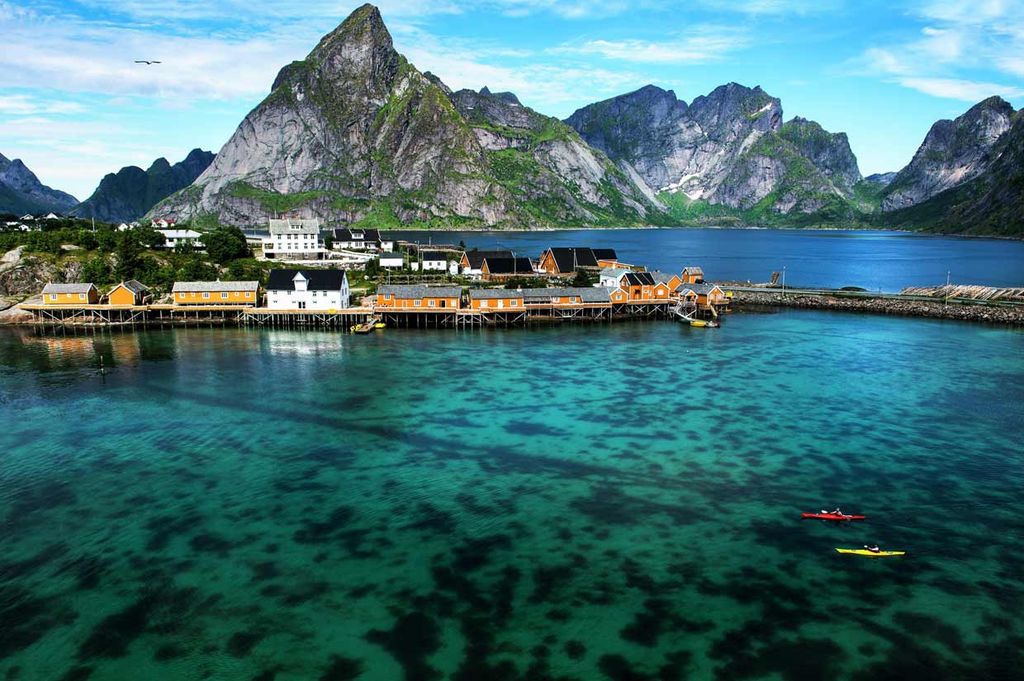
(195,269)
(96,270)
(583,278)
(86,239)
(129,256)
(225,244)
(328,241)
(148,236)
(372,268)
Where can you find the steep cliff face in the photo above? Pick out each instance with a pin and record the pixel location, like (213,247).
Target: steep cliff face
(546,166)
(22,192)
(128,194)
(829,152)
(952,153)
(355,133)
(992,202)
(728,148)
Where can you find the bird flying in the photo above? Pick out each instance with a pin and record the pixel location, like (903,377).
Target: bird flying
(147,62)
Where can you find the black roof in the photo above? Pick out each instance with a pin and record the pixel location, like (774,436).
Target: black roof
(509,266)
(568,259)
(639,278)
(319,280)
(434,255)
(476,258)
(345,234)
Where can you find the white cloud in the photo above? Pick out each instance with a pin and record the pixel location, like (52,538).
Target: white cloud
(957,40)
(705,44)
(964,90)
(25,105)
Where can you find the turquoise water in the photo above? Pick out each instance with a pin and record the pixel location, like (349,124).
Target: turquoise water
(871,259)
(614,502)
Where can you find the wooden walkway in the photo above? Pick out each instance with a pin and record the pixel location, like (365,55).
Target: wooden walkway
(207,315)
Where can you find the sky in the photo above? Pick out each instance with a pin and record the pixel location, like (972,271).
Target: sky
(74,106)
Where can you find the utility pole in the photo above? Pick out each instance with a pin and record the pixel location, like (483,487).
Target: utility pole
(945,302)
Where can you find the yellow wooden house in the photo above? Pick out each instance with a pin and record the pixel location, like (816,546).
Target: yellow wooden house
(70,294)
(128,293)
(244,293)
(419,298)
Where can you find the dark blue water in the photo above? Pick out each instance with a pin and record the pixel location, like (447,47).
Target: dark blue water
(827,258)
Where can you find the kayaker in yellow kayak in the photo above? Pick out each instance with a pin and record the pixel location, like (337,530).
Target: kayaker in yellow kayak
(873,549)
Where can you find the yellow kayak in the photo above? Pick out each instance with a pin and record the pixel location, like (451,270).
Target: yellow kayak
(698,323)
(872,554)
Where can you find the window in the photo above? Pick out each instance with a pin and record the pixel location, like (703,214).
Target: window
(53,296)
(483,303)
(515,303)
(431,303)
(224,296)
(206,294)
(418,303)
(81,296)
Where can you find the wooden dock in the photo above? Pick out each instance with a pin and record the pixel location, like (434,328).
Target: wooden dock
(440,318)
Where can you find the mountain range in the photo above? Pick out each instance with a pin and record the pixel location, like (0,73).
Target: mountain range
(22,192)
(129,193)
(354,133)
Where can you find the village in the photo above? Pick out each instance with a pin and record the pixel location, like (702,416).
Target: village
(406,285)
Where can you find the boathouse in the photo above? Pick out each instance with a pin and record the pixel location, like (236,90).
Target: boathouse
(643,286)
(215,292)
(563,261)
(70,294)
(307,290)
(692,275)
(498,269)
(566,295)
(472,261)
(671,280)
(417,297)
(129,292)
(496,299)
(705,295)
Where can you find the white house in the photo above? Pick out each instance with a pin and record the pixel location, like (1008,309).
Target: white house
(307,290)
(294,240)
(28,217)
(611,276)
(356,239)
(173,237)
(163,223)
(392,261)
(434,261)
(123,227)
(52,216)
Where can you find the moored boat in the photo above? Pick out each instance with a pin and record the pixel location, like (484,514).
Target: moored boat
(365,327)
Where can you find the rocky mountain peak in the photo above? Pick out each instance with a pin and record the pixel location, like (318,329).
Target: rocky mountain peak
(21,191)
(730,109)
(953,152)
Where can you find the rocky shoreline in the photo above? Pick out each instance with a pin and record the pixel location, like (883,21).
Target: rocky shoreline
(990,314)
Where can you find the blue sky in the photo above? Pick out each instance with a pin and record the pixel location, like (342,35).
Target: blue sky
(74,107)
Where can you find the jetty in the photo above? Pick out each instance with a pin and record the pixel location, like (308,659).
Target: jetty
(908,303)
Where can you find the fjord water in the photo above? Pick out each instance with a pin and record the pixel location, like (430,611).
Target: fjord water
(875,260)
(586,502)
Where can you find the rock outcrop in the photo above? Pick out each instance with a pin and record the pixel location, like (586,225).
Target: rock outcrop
(728,148)
(356,133)
(991,203)
(22,192)
(953,152)
(128,194)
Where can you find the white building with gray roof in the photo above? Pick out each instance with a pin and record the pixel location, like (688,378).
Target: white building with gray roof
(292,239)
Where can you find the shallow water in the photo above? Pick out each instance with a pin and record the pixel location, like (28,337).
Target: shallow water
(608,502)
(871,259)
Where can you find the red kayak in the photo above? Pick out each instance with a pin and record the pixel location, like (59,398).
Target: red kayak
(832,516)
